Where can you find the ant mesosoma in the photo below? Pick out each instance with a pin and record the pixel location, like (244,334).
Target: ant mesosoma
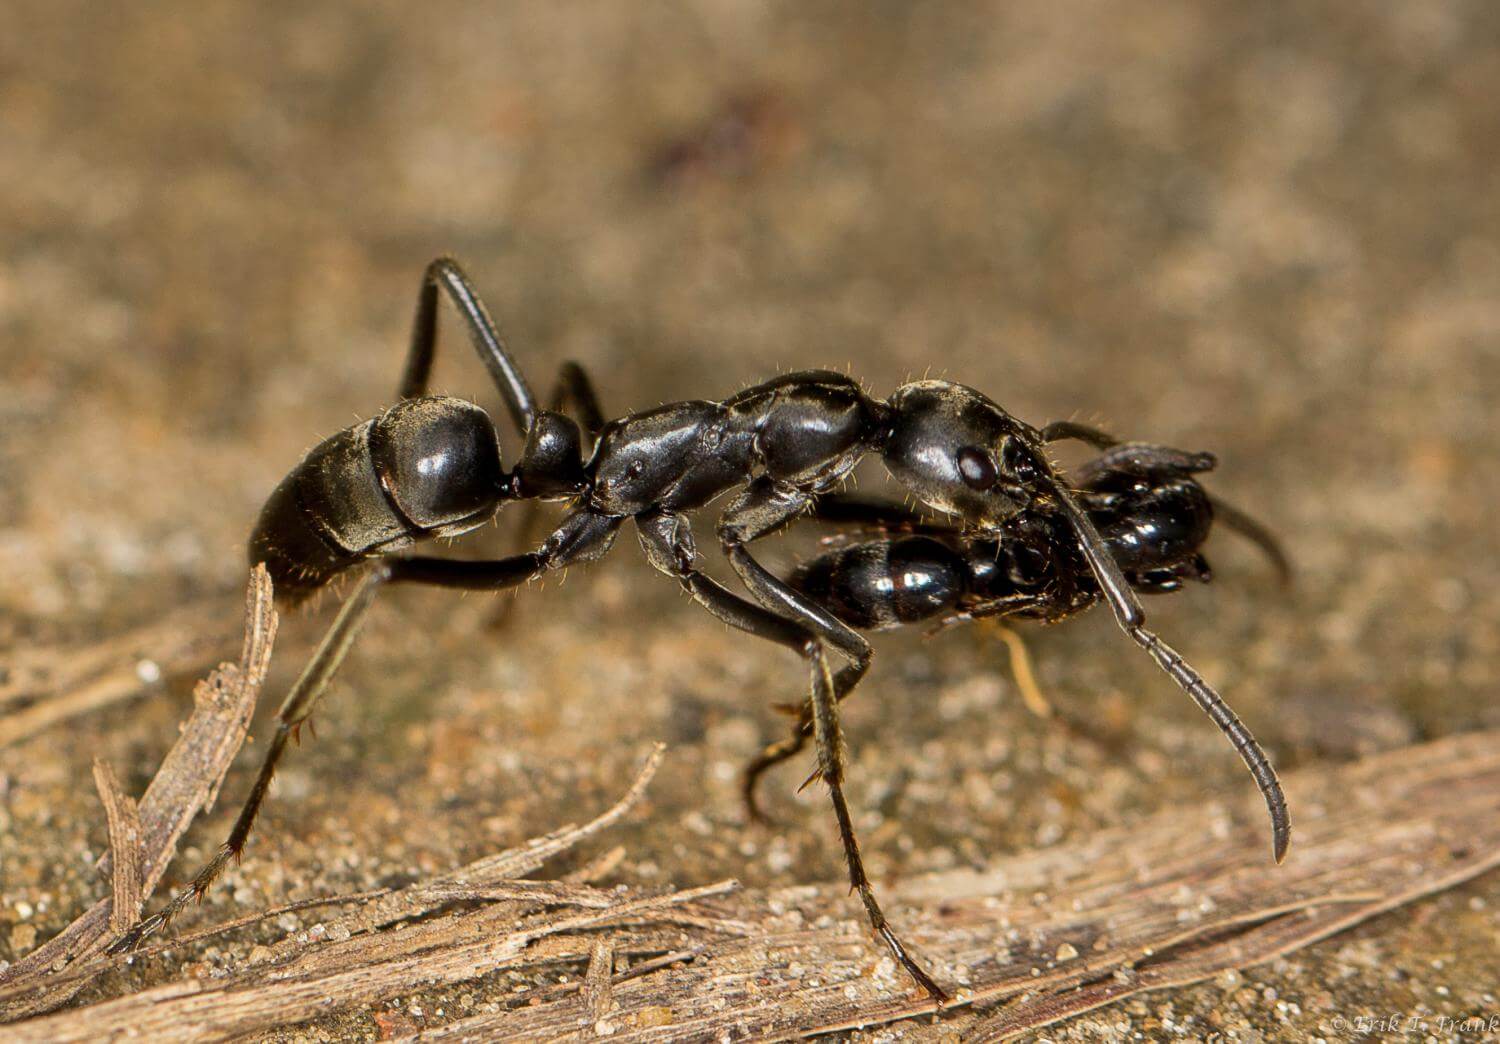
(430,467)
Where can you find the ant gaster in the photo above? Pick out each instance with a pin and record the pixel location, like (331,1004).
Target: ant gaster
(431,467)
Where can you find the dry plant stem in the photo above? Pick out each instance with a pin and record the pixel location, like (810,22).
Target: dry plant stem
(1048,934)
(499,870)
(1033,939)
(52,684)
(324,976)
(125,849)
(596,981)
(187,781)
(79,971)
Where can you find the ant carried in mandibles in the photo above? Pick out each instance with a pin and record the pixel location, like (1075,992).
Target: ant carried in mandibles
(430,466)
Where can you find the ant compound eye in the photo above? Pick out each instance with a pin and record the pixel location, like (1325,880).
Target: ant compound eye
(1018,461)
(976,468)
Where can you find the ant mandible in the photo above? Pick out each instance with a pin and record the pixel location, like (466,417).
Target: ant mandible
(430,467)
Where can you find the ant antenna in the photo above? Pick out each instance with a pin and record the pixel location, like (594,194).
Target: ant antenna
(1257,534)
(1131,618)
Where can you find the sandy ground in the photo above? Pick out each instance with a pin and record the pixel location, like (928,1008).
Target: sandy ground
(1272,233)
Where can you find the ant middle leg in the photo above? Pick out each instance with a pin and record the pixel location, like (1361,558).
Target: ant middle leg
(765,508)
(667,541)
(832,756)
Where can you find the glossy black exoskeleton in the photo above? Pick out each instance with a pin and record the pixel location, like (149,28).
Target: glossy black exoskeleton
(431,467)
(1148,508)
(1152,514)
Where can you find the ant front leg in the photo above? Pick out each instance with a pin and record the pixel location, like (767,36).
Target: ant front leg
(765,508)
(1057,431)
(881,516)
(831,759)
(762,509)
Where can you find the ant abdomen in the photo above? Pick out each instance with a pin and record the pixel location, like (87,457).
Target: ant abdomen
(425,468)
(885,583)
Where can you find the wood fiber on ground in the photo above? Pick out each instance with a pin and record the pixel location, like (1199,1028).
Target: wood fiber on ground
(1027,941)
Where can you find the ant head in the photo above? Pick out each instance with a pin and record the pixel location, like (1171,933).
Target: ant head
(959,452)
(1150,511)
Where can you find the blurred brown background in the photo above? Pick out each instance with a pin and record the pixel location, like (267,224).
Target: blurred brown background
(1268,231)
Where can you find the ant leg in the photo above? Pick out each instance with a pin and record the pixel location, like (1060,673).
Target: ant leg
(1057,431)
(1020,668)
(759,510)
(1144,458)
(803,728)
(764,508)
(831,760)
(574,388)
(1129,457)
(1255,532)
(866,512)
(667,540)
(783,750)
(294,711)
(446,274)
(581,537)
(774,754)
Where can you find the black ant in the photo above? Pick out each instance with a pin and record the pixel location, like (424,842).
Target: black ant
(1152,514)
(430,467)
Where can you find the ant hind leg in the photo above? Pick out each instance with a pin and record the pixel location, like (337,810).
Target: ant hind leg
(581,537)
(447,275)
(295,710)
